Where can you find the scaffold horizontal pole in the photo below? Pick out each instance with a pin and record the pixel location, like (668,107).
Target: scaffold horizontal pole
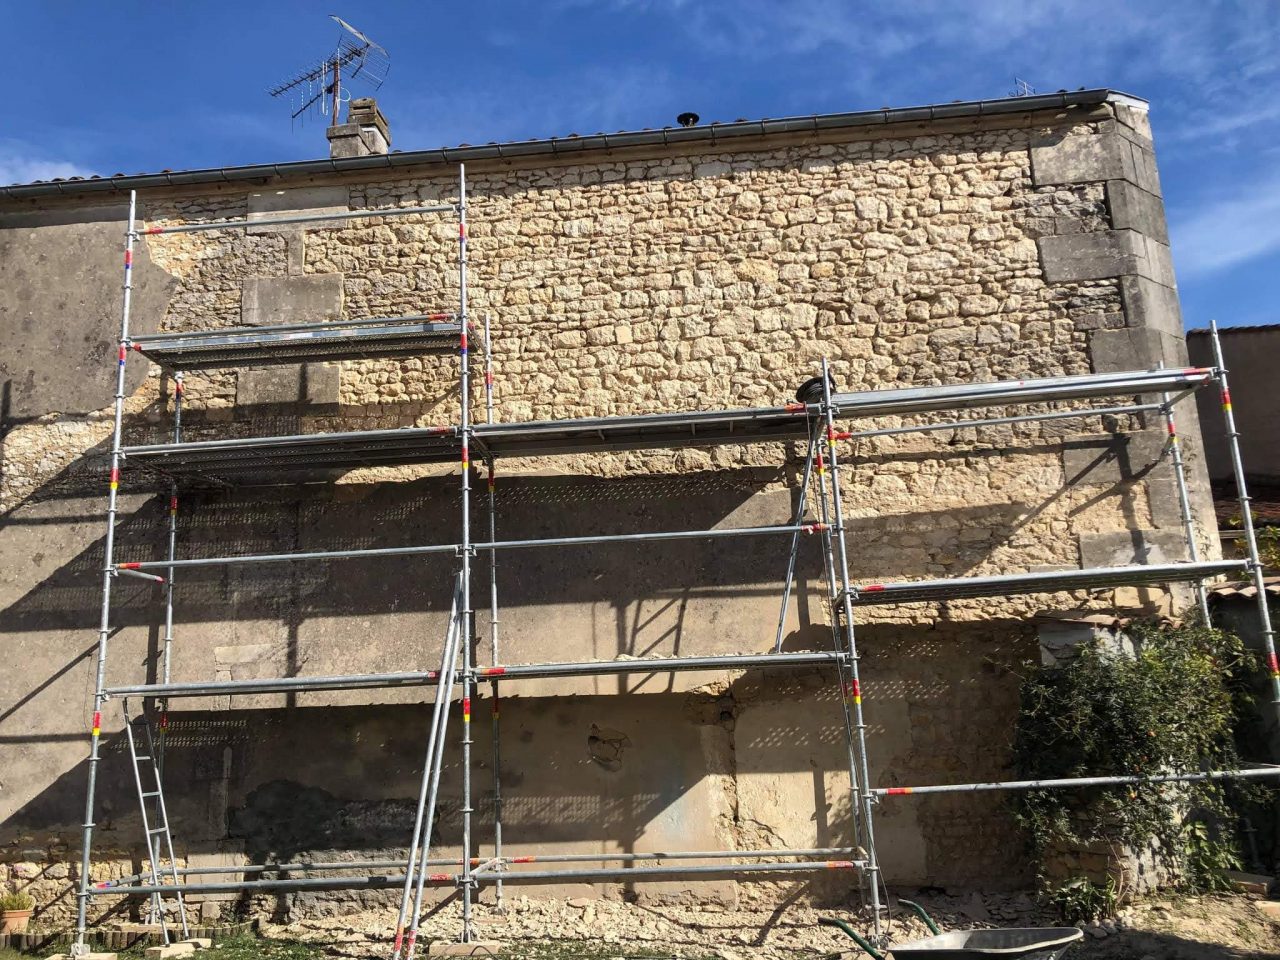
(1252,773)
(453,548)
(493,861)
(127,572)
(1001,421)
(1052,581)
(526,671)
(377,882)
(303,218)
(640,873)
(502,862)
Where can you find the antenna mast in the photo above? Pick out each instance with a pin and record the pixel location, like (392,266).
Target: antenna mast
(318,88)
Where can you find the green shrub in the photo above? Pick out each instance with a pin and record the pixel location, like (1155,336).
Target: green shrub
(1170,708)
(1080,900)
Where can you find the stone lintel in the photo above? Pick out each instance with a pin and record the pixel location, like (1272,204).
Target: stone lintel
(296,202)
(315,384)
(314,298)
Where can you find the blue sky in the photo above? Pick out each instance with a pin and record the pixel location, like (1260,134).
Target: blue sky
(131,86)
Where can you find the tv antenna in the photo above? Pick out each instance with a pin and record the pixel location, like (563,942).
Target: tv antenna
(318,88)
(1021,88)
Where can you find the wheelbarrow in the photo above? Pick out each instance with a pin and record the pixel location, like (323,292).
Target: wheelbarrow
(1024,943)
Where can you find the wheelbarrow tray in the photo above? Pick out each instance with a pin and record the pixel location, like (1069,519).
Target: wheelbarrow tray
(1025,943)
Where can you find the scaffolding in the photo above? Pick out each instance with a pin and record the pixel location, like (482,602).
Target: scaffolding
(811,423)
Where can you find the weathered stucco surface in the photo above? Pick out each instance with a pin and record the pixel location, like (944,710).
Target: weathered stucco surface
(614,285)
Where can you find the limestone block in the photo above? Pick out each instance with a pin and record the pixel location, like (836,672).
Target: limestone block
(296,201)
(1151,305)
(1133,208)
(1128,348)
(200,943)
(1091,256)
(314,298)
(230,853)
(476,948)
(1080,158)
(1124,548)
(316,384)
(1110,459)
(170,951)
(1093,157)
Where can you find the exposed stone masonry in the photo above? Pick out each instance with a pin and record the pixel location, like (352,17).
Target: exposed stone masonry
(619,285)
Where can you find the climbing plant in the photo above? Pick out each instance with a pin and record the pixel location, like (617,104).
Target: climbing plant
(1170,706)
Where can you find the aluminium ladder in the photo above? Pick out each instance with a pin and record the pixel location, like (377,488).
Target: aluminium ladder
(159,839)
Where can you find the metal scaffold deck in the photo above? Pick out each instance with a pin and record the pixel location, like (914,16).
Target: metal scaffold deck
(303,342)
(813,425)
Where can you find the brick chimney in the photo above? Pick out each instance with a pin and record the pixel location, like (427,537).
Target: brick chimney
(364,133)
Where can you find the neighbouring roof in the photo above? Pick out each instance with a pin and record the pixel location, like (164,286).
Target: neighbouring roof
(1245,589)
(1264,502)
(711,133)
(1226,331)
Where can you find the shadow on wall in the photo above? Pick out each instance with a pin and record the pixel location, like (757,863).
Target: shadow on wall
(760,763)
(356,517)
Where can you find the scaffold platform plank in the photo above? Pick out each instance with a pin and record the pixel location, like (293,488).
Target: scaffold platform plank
(961,588)
(433,333)
(252,457)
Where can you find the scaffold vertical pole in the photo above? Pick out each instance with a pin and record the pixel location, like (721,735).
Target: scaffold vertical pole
(493,623)
(1250,537)
(801,505)
(435,760)
(468,621)
(851,648)
(1184,499)
(166,656)
(427,791)
(108,570)
(847,686)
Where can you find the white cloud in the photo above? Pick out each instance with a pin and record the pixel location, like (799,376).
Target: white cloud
(22,162)
(1229,230)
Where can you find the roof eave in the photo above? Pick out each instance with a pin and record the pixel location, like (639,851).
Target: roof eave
(560,146)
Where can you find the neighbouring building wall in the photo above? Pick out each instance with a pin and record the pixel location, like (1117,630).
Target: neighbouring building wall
(1023,246)
(1251,355)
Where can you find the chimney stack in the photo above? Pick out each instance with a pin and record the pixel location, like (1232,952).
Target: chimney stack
(365,132)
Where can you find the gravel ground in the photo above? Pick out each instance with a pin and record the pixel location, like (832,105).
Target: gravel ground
(1204,928)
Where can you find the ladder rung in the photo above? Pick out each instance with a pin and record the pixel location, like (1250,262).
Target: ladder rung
(151,793)
(158,830)
(142,756)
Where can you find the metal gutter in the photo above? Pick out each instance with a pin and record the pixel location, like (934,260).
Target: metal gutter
(713,133)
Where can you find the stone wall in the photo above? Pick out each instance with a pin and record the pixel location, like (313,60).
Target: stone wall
(615,285)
